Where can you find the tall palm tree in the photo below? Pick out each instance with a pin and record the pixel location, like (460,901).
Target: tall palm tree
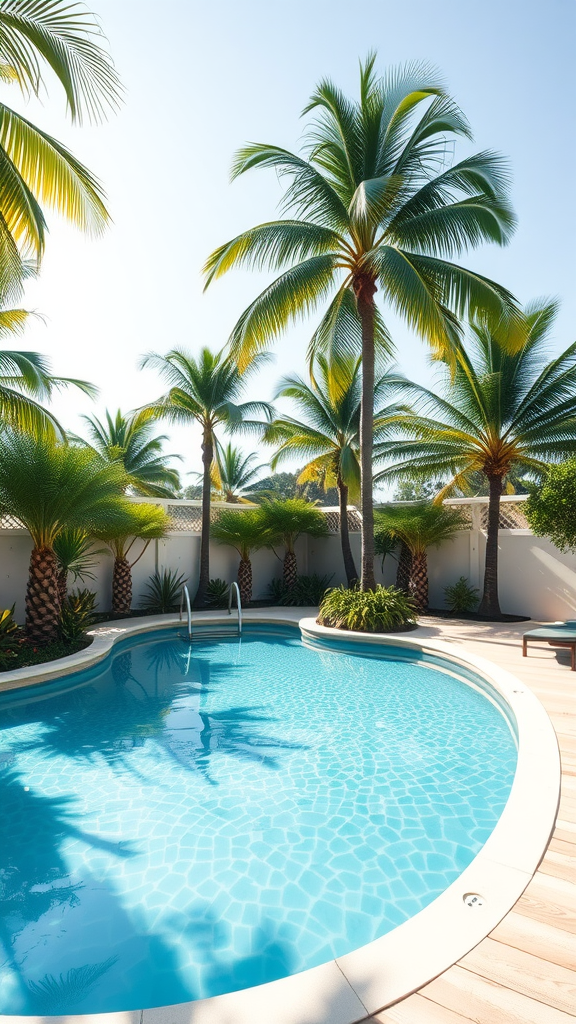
(49,487)
(243,531)
(130,439)
(374,206)
(498,411)
(35,169)
(205,391)
(139,522)
(233,472)
(329,432)
(418,526)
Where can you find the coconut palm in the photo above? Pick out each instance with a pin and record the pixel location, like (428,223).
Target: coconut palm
(233,472)
(374,206)
(496,411)
(49,487)
(418,526)
(329,433)
(205,391)
(76,556)
(35,169)
(245,532)
(139,522)
(131,439)
(282,522)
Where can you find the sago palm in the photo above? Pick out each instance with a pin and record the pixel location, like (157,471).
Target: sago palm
(49,487)
(243,531)
(233,473)
(139,522)
(328,434)
(283,522)
(419,526)
(131,439)
(373,206)
(76,556)
(498,410)
(35,169)
(205,390)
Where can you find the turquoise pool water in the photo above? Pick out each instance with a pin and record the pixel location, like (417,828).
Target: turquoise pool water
(194,821)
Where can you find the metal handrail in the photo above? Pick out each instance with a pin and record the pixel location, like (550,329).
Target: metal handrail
(185,596)
(235,587)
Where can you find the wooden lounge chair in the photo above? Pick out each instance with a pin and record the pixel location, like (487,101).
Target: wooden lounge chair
(559,634)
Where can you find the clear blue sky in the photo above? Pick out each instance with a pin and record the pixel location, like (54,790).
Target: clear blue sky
(201,79)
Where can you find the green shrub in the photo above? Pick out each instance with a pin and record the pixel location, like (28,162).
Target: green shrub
(8,637)
(307,590)
(383,610)
(461,597)
(163,592)
(77,615)
(217,592)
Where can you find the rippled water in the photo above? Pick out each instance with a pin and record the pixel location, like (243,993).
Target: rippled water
(189,822)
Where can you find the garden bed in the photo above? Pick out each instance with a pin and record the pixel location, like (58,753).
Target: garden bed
(31,652)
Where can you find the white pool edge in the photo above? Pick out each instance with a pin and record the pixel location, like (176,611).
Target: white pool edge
(363,982)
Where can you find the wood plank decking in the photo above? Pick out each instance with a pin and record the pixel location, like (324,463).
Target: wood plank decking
(525,971)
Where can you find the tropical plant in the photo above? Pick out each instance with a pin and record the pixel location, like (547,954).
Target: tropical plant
(77,614)
(205,391)
(282,522)
(130,439)
(374,205)
(306,592)
(8,637)
(26,381)
(49,487)
(163,592)
(461,597)
(217,593)
(246,532)
(75,555)
(382,610)
(139,522)
(419,526)
(35,169)
(551,506)
(384,544)
(328,434)
(496,410)
(233,473)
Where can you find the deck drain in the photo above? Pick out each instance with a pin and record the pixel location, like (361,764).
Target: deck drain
(472,899)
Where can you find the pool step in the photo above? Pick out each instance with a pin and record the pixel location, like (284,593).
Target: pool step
(212,634)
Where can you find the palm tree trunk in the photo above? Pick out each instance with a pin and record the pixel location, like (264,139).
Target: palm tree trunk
(290,570)
(349,566)
(42,598)
(418,587)
(490,604)
(121,586)
(364,289)
(62,584)
(245,580)
(204,577)
(404,569)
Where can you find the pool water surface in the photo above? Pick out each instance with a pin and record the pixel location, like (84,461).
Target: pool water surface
(192,821)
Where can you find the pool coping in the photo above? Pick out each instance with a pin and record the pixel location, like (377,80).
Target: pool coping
(363,982)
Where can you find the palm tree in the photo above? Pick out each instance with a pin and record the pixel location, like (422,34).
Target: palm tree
(233,472)
(498,411)
(374,206)
(75,555)
(138,522)
(130,440)
(205,391)
(329,434)
(49,487)
(245,532)
(282,522)
(418,526)
(35,169)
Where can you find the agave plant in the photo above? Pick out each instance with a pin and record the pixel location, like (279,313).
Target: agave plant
(282,522)
(163,592)
(246,532)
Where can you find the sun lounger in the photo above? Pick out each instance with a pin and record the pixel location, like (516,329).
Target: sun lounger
(559,634)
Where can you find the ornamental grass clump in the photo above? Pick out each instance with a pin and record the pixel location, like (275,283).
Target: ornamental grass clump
(383,610)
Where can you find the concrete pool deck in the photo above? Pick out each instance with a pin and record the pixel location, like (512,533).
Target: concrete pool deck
(523,973)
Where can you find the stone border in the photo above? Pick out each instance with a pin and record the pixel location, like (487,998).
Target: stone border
(363,982)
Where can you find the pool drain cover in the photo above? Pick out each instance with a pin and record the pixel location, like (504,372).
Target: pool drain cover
(472,899)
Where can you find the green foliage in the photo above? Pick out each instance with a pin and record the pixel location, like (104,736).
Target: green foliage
(382,610)
(77,615)
(384,544)
(26,381)
(217,593)
(419,525)
(233,473)
(283,522)
(75,554)
(461,597)
(551,507)
(245,531)
(135,520)
(306,592)
(131,441)
(280,486)
(417,490)
(8,637)
(163,592)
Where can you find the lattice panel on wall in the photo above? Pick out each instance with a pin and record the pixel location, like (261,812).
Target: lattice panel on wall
(9,523)
(511,517)
(333,520)
(188,518)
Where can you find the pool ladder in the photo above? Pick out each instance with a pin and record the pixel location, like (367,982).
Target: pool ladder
(218,630)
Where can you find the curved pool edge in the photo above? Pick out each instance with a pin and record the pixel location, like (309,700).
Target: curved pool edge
(363,982)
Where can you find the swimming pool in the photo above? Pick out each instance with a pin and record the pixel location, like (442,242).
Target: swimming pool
(191,822)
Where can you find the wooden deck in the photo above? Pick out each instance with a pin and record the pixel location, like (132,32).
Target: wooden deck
(525,971)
